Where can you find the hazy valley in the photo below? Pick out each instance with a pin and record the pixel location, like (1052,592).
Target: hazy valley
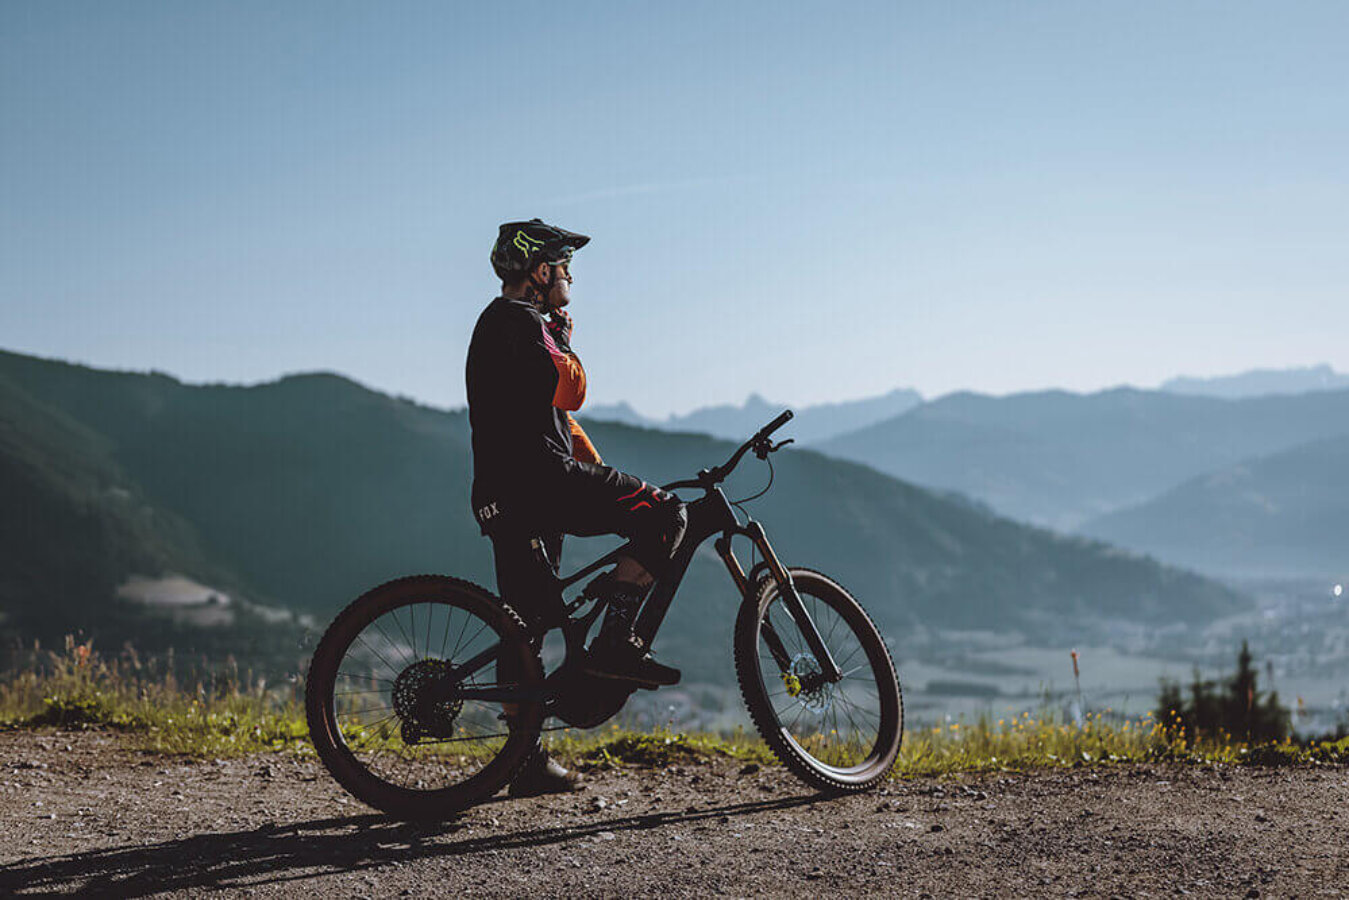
(277,504)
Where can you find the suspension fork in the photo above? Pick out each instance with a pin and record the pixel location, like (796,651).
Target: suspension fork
(790,599)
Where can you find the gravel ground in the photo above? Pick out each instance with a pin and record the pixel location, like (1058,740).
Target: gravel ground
(83,813)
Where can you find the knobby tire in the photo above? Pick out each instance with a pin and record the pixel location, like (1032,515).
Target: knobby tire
(359,777)
(756,683)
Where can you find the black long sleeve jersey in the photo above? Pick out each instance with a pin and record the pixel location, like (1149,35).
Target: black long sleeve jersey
(521,385)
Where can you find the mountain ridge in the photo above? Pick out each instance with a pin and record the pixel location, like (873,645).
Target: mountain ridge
(314,488)
(1059,458)
(813,422)
(1260,382)
(1278,515)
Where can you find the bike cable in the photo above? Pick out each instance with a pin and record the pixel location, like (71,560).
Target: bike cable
(739,504)
(753,497)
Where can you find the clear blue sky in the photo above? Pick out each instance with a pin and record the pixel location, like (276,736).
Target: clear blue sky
(810,200)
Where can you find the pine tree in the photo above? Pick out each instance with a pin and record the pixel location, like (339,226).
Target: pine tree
(1237,710)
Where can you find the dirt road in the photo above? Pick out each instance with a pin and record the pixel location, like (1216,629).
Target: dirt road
(82,813)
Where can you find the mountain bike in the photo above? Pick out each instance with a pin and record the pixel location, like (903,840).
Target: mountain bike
(427,693)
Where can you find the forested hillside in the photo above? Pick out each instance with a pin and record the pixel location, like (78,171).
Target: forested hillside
(303,492)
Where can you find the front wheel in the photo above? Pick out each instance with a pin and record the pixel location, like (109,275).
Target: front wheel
(377,718)
(836,736)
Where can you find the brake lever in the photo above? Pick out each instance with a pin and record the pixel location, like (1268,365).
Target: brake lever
(764,446)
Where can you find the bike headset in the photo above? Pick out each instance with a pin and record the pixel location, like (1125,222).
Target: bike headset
(521,246)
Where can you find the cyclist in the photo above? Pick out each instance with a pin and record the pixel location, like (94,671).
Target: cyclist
(537,476)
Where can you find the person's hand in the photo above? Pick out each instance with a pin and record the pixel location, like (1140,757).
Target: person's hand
(559,326)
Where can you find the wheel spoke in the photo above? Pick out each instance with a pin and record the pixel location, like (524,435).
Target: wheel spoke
(389,641)
(459,640)
(430,614)
(361,638)
(370,677)
(412,647)
(849,657)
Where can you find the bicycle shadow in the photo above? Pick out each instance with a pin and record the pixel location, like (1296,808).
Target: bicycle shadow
(284,853)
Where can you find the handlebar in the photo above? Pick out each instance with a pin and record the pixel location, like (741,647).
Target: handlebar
(759,443)
(777,423)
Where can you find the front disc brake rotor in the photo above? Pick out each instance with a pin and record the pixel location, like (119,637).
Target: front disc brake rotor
(811,690)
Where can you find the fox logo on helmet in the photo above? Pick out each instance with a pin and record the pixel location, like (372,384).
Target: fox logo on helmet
(519,245)
(526,244)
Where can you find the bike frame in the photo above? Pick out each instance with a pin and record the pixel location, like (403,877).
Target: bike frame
(707,516)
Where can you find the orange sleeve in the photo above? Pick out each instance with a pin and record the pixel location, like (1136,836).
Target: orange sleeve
(571,382)
(581,447)
(571,378)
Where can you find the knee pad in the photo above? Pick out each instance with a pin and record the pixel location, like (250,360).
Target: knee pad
(663,527)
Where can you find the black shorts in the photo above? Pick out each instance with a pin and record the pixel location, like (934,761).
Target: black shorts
(583,499)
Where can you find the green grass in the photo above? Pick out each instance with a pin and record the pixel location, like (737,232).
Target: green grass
(219,712)
(1029,742)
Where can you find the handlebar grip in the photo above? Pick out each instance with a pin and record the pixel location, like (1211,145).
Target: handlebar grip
(676,485)
(776,423)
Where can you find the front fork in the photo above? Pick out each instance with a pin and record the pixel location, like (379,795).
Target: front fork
(790,598)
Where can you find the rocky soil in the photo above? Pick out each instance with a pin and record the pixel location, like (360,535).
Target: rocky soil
(82,812)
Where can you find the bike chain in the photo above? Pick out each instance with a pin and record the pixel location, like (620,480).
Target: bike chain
(484,737)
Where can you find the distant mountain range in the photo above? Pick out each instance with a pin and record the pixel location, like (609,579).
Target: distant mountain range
(1262,382)
(1060,459)
(811,425)
(823,421)
(303,492)
(1284,514)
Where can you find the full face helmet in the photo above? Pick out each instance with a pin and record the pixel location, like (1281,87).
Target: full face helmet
(521,246)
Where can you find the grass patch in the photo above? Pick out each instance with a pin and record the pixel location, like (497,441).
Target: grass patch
(613,747)
(212,712)
(85,711)
(217,712)
(1026,743)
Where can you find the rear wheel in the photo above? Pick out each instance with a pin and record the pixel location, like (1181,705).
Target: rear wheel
(373,712)
(837,736)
